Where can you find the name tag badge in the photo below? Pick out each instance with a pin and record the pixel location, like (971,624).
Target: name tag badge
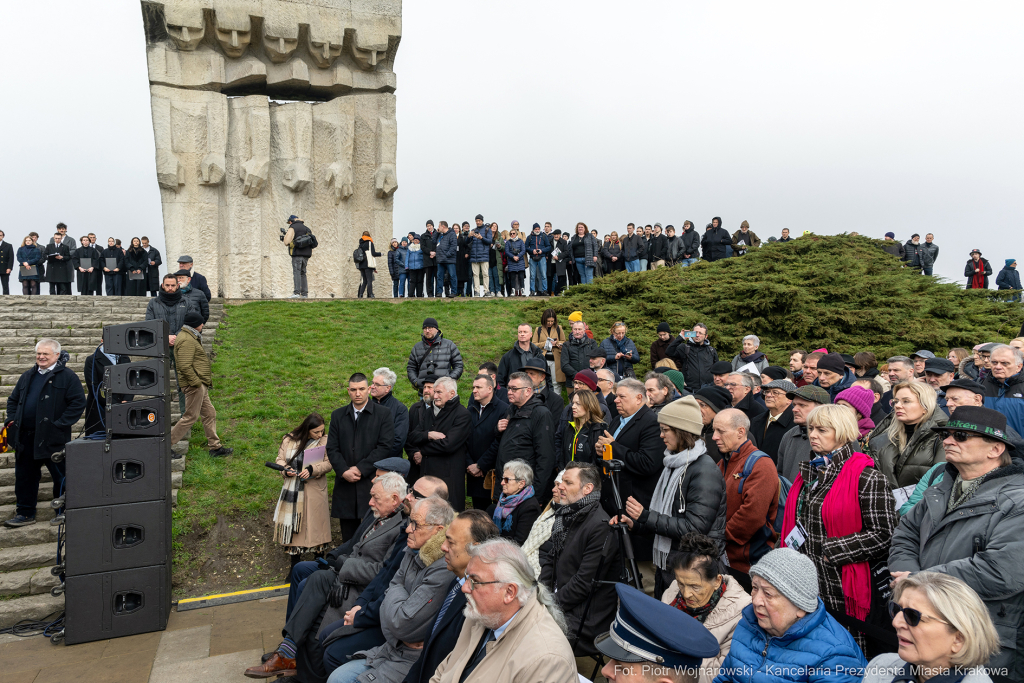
(796,537)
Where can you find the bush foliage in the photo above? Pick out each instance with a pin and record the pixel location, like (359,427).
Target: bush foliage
(843,293)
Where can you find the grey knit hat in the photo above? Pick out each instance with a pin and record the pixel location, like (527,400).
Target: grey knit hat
(793,574)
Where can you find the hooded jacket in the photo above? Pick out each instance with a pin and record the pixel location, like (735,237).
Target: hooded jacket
(438,356)
(60,402)
(1008,277)
(715,241)
(690,244)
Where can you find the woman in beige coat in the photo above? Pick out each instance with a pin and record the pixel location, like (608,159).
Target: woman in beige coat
(550,329)
(714,600)
(302,520)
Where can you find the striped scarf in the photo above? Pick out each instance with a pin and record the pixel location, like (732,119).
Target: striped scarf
(291,502)
(567,514)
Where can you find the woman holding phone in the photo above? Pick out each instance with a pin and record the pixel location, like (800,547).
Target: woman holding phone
(302,520)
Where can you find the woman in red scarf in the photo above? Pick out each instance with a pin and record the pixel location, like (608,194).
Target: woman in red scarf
(977,271)
(841,514)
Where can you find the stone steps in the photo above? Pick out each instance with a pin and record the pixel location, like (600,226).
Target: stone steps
(33,607)
(28,557)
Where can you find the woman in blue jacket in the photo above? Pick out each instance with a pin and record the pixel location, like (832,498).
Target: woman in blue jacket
(620,351)
(515,252)
(1009,278)
(29,255)
(414,267)
(786,634)
(396,268)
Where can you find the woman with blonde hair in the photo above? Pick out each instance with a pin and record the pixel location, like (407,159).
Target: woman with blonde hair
(944,631)
(612,253)
(666,363)
(841,514)
(903,444)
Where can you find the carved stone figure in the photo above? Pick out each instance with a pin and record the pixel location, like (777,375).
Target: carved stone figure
(267,108)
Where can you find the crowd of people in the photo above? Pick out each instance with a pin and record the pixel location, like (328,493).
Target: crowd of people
(833,518)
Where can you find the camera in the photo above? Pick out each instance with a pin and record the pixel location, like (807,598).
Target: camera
(284,231)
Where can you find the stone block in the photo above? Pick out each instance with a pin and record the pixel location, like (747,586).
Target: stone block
(29,607)
(28,557)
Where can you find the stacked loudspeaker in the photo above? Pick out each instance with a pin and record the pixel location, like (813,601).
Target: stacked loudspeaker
(117,521)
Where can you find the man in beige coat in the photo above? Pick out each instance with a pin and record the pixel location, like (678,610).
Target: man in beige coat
(513,629)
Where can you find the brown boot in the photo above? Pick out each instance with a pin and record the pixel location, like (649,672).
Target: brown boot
(275,666)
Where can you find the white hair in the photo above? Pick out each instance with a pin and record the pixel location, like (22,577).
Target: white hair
(1018,356)
(446,384)
(437,511)
(633,385)
(753,338)
(393,482)
(609,375)
(512,566)
(387,375)
(52,343)
(520,470)
(746,378)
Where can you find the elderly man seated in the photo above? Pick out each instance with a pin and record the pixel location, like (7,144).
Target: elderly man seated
(514,631)
(412,602)
(786,629)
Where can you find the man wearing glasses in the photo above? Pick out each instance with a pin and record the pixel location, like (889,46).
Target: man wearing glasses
(971,525)
(741,386)
(768,428)
(526,432)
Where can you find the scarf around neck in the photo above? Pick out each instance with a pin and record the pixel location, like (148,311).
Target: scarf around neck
(170,299)
(291,502)
(663,501)
(567,515)
(752,358)
(506,505)
(701,613)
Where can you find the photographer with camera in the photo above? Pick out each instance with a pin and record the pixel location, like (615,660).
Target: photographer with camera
(300,242)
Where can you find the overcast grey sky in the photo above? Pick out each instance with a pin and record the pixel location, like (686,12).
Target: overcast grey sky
(828,117)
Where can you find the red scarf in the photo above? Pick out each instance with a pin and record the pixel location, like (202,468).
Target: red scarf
(841,515)
(978,279)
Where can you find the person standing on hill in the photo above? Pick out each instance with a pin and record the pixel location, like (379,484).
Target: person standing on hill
(933,252)
(715,241)
(368,266)
(433,355)
(59,266)
(6,263)
(1009,278)
(414,266)
(154,262)
(447,256)
(977,271)
(891,246)
(689,252)
(917,257)
(195,379)
(744,239)
(428,245)
(480,240)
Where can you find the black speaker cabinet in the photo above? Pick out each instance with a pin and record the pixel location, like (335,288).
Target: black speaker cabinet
(115,604)
(133,471)
(147,339)
(117,537)
(141,378)
(149,417)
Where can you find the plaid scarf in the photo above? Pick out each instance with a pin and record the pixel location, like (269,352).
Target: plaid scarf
(700,613)
(567,515)
(288,515)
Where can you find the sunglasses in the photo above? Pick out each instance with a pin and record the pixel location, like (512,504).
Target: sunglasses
(912,616)
(417,495)
(959,435)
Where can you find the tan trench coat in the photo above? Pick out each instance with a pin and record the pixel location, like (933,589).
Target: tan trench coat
(540,335)
(316,513)
(532,648)
(721,622)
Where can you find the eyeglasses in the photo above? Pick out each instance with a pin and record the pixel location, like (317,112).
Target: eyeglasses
(731,386)
(958,435)
(912,616)
(505,480)
(513,390)
(417,495)
(473,583)
(602,379)
(417,525)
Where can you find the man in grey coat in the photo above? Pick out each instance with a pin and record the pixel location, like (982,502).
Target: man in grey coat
(971,526)
(795,447)
(413,600)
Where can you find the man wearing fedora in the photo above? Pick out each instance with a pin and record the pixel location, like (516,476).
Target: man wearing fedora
(971,526)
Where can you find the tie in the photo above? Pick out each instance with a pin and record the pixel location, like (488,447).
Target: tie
(445,606)
(478,656)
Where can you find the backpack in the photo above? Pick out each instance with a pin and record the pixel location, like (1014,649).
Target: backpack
(770,529)
(307,241)
(358,255)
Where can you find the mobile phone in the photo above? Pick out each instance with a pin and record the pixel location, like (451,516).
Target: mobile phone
(690,334)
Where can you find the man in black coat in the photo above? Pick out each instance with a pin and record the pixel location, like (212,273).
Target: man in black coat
(537,369)
(484,412)
(45,404)
(635,436)
(741,386)
(96,395)
(59,268)
(580,546)
(715,240)
(515,358)
(382,391)
(768,428)
(694,356)
(442,440)
(6,263)
(198,281)
(576,351)
(360,434)
(527,432)
(417,416)
(469,528)
(153,271)
(428,245)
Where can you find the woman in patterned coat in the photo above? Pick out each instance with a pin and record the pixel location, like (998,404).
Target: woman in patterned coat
(841,514)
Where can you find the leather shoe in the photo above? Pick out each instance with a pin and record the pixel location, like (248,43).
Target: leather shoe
(275,666)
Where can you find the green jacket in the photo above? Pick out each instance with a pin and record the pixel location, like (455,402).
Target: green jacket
(191,361)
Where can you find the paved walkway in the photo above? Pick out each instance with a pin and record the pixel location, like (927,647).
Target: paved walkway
(213,644)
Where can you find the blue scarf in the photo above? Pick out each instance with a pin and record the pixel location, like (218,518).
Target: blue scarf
(506,504)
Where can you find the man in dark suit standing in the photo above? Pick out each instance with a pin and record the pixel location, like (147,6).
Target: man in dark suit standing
(59,269)
(360,434)
(485,409)
(153,272)
(469,527)
(442,438)
(6,263)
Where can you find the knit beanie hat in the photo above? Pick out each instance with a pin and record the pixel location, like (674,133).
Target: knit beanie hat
(663,327)
(1010,262)
(588,377)
(677,379)
(891,235)
(479,217)
(576,317)
(683,414)
(832,362)
(431,322)
(861,398)
(193,319)
(775,372)
(714,397)
(745,224)
(793,574)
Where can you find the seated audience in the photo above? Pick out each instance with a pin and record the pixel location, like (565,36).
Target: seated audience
(517,507)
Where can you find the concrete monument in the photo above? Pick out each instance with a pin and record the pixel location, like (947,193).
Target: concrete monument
(267,108)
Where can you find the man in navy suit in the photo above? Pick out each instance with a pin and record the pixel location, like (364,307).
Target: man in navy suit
(469,528)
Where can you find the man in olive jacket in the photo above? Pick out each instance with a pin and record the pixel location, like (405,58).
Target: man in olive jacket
(45,404)
(195,379)
(971,526)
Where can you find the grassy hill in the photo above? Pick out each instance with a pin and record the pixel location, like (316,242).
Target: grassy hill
(279,360)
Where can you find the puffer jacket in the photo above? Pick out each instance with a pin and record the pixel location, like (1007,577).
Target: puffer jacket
(515,247)
(623,367)
(916,255)
(539,241)
(447,247)
(1008,277)
(980,542)
(923,450)
(396,263)
(721,622)
(1012,387)
(816,641)
(574,356)
(414,258)
(691,244)
(479,249)
(439,357)
(933,251)
(699,504)
(173,314)
(693,360)
(895,248)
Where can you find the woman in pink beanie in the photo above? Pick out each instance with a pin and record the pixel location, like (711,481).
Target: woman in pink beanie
(861,399)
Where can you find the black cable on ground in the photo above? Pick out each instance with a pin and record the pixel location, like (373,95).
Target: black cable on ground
(42,627)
